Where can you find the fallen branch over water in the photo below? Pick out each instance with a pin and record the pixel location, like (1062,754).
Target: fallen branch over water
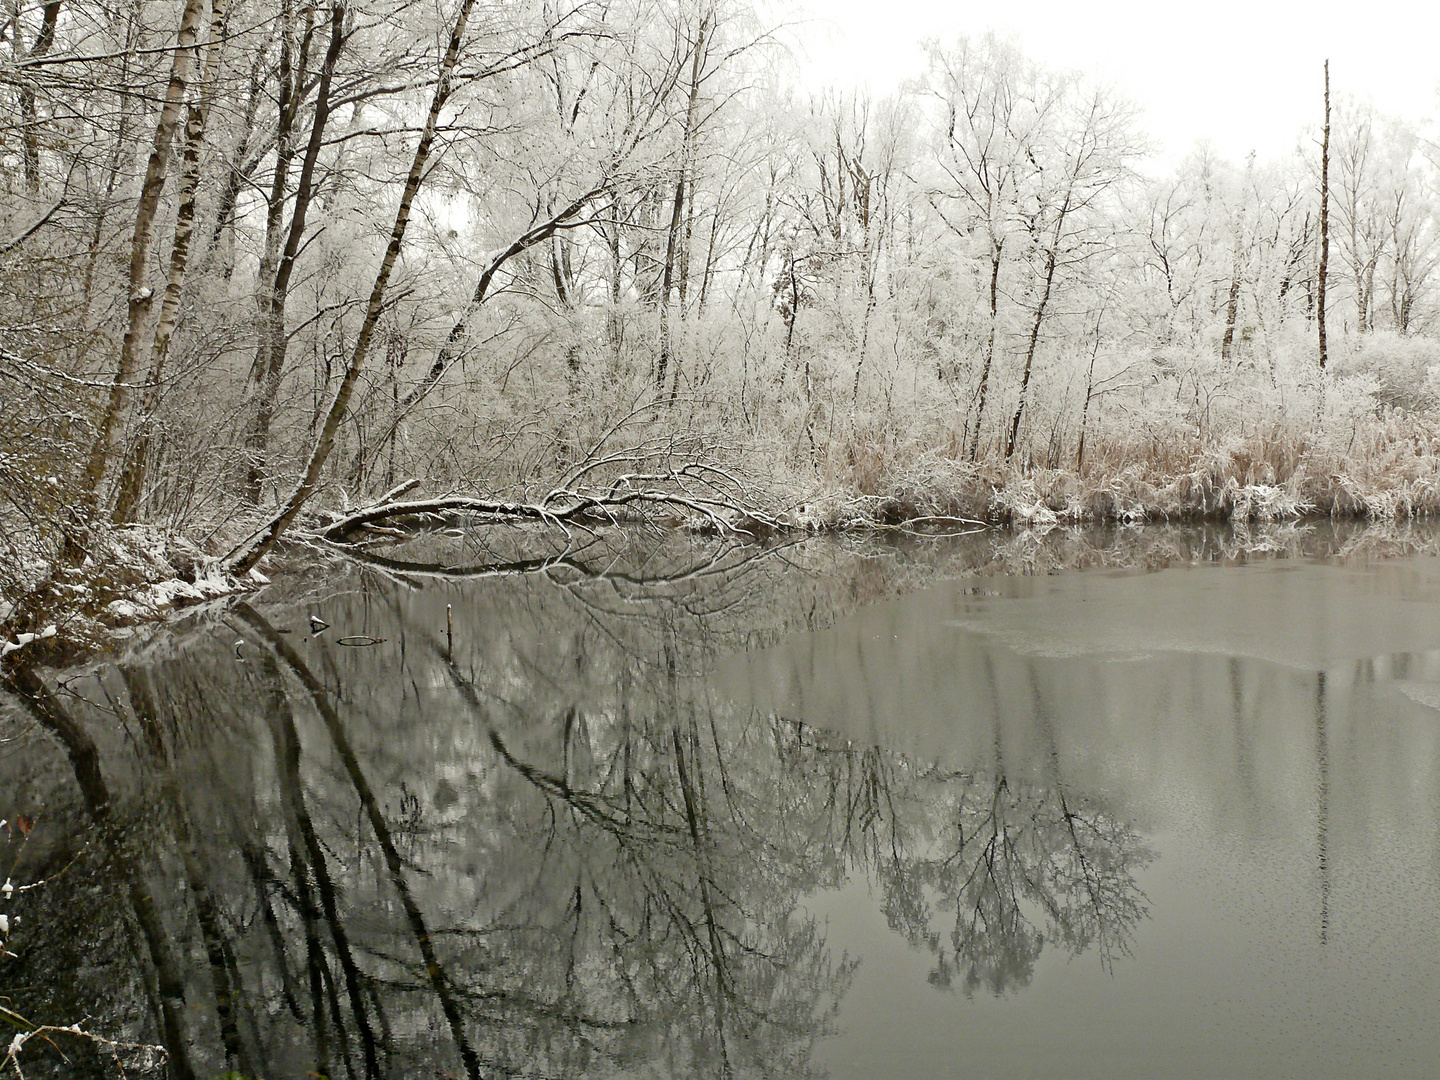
(707,496)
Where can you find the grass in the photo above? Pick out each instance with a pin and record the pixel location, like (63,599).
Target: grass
(1389,471)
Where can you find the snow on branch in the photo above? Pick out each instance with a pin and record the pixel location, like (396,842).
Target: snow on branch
(708,496)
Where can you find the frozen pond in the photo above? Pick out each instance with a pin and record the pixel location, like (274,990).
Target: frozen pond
(816,811)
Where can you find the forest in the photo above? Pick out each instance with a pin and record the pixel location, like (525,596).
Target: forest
(280,268)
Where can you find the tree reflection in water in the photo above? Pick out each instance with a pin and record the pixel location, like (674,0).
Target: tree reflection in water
(552,853)
(1005,864)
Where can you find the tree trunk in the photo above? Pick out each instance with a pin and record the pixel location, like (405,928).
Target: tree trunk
(872,261)
(140,295)
(252,551)
(1366,295)
(132,477)
(996,249)
(1050,259)
(29,116)
(710,260)
(1324,220)
(274,341)
(677,209)
(1089,393)
(1232,308)
(615,324)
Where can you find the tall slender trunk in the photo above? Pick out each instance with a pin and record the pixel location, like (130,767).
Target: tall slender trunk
(996,250)
(1051,257)
(254,549)
(666,281)
(872,261)
(711,255)
(1232,308)
(132,476)
(273,346)
(1395,277)
(1089,393)
(564,275)
(1237,263)
(1365,294)
(140,294)
(677,209)
(1324,220)
(687,238)
(615,322)
(29,115)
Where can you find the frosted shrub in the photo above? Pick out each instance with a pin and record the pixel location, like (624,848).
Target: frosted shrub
(1400,366)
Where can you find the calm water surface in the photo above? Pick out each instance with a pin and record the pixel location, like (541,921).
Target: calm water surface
(816,811)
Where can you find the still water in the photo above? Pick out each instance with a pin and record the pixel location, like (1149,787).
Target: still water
(821,810)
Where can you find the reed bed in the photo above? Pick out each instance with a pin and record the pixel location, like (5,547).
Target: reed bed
(1388,471)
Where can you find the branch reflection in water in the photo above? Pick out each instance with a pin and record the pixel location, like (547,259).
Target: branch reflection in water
(554,851)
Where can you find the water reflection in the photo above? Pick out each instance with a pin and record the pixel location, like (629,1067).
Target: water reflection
(587,836)
(541,855)
(1238,745)
(1322,805)
(1017,865)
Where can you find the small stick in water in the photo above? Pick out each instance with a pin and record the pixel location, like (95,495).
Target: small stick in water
(449,633)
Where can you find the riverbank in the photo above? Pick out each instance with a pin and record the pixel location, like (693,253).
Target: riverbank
(59,611)
(150,578)
(1381,469)
(1387,469)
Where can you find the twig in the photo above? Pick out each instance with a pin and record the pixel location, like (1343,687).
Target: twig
(13,244)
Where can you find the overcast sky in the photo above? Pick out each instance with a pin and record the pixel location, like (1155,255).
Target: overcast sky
(1246,74)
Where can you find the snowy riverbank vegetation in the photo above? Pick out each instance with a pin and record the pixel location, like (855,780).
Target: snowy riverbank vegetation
(267,258)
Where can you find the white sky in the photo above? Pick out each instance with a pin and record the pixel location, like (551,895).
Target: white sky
(1245,75)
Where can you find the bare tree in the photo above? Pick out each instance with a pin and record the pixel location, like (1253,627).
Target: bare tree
(993,107)
(1360,208)
(1023,160)
(141,295)
(277,266)
(132,478)
(1324,220)
(246,555)
(1095,148)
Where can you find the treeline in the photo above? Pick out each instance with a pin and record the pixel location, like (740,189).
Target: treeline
(257,251)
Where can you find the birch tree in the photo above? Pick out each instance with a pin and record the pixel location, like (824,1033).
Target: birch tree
(247,554)
(140,293)
(132,479)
